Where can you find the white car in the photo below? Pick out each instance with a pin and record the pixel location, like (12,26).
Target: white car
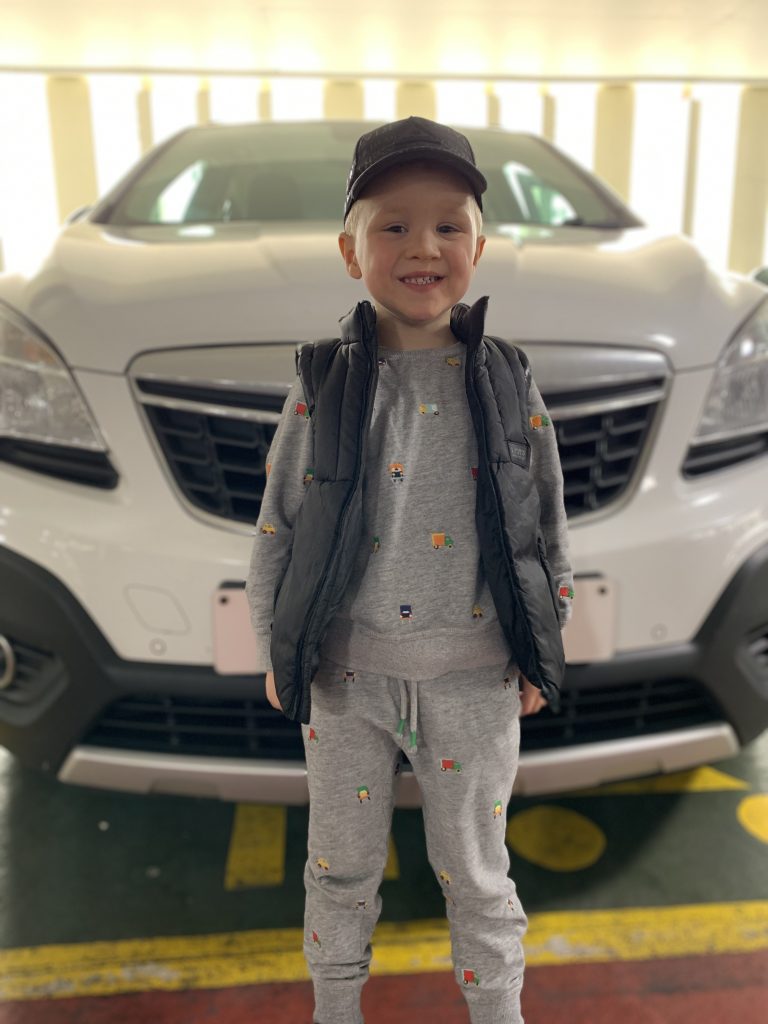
(142,370)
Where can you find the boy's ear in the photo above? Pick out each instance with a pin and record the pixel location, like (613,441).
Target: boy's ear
(347,250)
(478,249)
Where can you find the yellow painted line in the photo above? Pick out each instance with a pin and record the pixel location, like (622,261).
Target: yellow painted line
(752,813)
(698,780)
(392,867)
(555,838)
(256,854)
(248,958)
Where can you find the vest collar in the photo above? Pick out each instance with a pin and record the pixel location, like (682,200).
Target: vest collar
(467,324)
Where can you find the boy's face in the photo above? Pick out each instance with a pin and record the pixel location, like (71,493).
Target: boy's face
(416,245)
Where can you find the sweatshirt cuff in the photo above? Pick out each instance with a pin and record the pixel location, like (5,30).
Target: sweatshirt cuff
(263,647)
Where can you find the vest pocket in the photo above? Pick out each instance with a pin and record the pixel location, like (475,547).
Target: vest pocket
(547,572)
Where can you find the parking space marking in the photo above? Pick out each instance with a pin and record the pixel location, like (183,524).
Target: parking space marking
(256,854)
(392,868)
(556,838)
(752,813)
(698,780)
(255,957)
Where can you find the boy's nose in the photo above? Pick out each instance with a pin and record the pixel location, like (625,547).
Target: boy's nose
(423,244)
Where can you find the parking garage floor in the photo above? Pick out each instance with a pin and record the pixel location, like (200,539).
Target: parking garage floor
(648,902)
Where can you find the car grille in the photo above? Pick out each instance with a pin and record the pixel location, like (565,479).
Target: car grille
(215,442)
(708,458)
(38,674)
(247,728)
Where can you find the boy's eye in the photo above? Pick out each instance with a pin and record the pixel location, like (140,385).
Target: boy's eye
(446,228)
(397,228)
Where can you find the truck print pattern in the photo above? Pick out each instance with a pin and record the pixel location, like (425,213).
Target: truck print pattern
(376,544)
(323,864)
(268,530)
(363,793)
(469,976)
(537,422)
(312,734)
(567,592)
(453,360)
(396,471)
(429,407)
(309,475)
(441,540)
(406,612)
(349,677)
(477,612)
(497,809)
(316,940)
(448,764)
(444,877)
(300,409)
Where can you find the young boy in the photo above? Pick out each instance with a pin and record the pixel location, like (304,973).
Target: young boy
(410,572)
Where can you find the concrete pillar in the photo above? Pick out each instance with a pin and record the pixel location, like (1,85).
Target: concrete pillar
(548,114)
(415,99)
(750,185)
(343,98)
(74,161)
(265,101)
(691,164)
(203,102)
(493,108)
(144,115)
(613,136)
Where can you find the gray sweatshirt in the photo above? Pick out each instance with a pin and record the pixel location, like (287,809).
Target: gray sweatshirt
(418,604)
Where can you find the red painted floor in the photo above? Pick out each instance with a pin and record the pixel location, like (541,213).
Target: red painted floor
(688,990)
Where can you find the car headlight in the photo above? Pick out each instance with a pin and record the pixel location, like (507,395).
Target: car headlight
(39,398)
(738,397)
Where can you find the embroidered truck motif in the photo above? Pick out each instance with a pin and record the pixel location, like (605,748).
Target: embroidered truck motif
(363,793)
(473,471)
(300,409)
(537,422)
(376,544)
(309,475)
(469,977)
(444,877)
(406,612)
(497,809)
(323,864)
(426,407)
(396,471)
(567,592)
(349,677)
(447,764)
(312,734)
(453,360)
(316,939)
(477,612)
(441,540)
(268,528)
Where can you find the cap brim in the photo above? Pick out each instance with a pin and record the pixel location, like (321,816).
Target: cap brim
(455,163)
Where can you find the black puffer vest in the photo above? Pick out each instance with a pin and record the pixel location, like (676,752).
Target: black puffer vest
(339,378)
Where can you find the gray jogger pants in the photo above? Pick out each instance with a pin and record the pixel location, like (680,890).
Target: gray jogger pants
(466,731)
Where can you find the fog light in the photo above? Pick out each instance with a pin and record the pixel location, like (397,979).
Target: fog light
(7,663)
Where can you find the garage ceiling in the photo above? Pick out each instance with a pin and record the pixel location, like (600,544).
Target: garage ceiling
(537,38)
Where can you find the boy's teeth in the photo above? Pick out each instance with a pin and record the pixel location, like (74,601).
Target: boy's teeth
(420,280)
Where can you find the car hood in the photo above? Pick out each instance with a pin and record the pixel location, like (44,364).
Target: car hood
(105,295)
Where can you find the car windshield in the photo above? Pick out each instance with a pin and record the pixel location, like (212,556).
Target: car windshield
(296,172)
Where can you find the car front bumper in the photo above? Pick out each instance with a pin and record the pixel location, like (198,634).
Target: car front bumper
(49,713)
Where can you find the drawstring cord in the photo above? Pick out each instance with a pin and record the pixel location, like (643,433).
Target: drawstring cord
(404,710)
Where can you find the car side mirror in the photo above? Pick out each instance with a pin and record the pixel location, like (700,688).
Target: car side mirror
(77,214)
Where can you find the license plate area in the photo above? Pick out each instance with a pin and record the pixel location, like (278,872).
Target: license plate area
(591,632)
(235,651)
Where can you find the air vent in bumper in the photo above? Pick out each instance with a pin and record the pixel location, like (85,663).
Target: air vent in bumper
(245,728)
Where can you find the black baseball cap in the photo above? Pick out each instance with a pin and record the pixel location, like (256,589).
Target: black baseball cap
(413,138)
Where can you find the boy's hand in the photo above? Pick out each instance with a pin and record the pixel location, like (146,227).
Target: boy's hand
(531,699)
(272,692)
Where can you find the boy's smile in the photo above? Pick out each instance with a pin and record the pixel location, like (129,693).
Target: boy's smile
(415,246)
